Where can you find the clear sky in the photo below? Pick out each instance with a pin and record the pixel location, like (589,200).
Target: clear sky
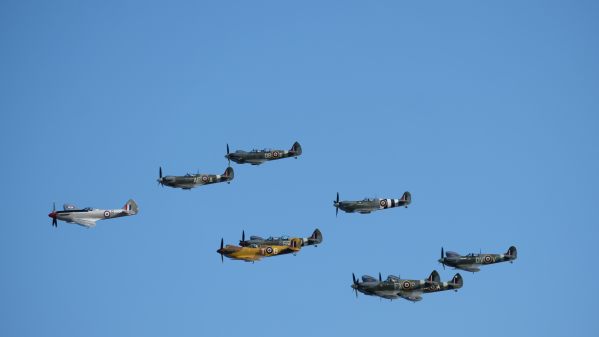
(486,111)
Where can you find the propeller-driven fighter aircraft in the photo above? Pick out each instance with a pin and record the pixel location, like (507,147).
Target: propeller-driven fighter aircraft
(256,241)
(472,261)
(190,181)
(256,251)
(394,287)
(257,157)
(369,205)
(87,217)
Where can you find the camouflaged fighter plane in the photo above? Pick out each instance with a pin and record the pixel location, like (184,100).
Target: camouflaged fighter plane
(190,181)
(255,251)
(257,157)
(369,205)
(256,241)
(394,287)
(472,261)
(88,216)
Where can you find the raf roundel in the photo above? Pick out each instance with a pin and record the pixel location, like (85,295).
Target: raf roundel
(275,154)
(204,178)
(106,214)
(406,285)
(268,250)
(383,203)
(487,259)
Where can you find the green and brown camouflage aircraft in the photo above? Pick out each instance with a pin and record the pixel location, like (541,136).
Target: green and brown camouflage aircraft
(472,261)
(190,181)
(395,287)
(257,157)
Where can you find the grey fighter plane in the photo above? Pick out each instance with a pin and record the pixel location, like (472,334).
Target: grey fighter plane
(472,261)
(369,205)
(256,241)
(395,287)
(88,216)
(190,181)
(257,157)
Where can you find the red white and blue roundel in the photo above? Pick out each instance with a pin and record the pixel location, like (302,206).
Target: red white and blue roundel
(488,259)
(269,250)
(106,214)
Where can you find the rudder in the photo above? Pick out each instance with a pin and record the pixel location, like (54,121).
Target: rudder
(457,281)
(131,206)
(296,149)
(512,252)
(407,197)
(434,277)
(229,173)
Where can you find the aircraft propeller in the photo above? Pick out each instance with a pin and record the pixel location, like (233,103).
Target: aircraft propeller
(442,258)
(243,235)
(336,203)
(160,176)
(222,260)
(53,215)
(228,158)
(356,283)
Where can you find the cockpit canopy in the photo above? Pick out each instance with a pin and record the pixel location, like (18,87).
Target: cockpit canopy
(254,237)
(69,207)
(393,278)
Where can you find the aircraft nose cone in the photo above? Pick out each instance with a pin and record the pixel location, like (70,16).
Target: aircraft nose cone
(52,215)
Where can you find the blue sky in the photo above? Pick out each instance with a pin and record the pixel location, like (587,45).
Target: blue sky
(486,112)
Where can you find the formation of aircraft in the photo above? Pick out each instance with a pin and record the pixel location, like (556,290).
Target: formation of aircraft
(257,157)
(472,261)
(257,248)
(190,181)
(88,216)
(368,205)
(395,287)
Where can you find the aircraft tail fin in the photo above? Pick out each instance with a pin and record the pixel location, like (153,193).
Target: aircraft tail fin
(131,207)
(315,239)
(434,277)
(296,149)
(229,173)
(456,282)
(407,196)
(512,253)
